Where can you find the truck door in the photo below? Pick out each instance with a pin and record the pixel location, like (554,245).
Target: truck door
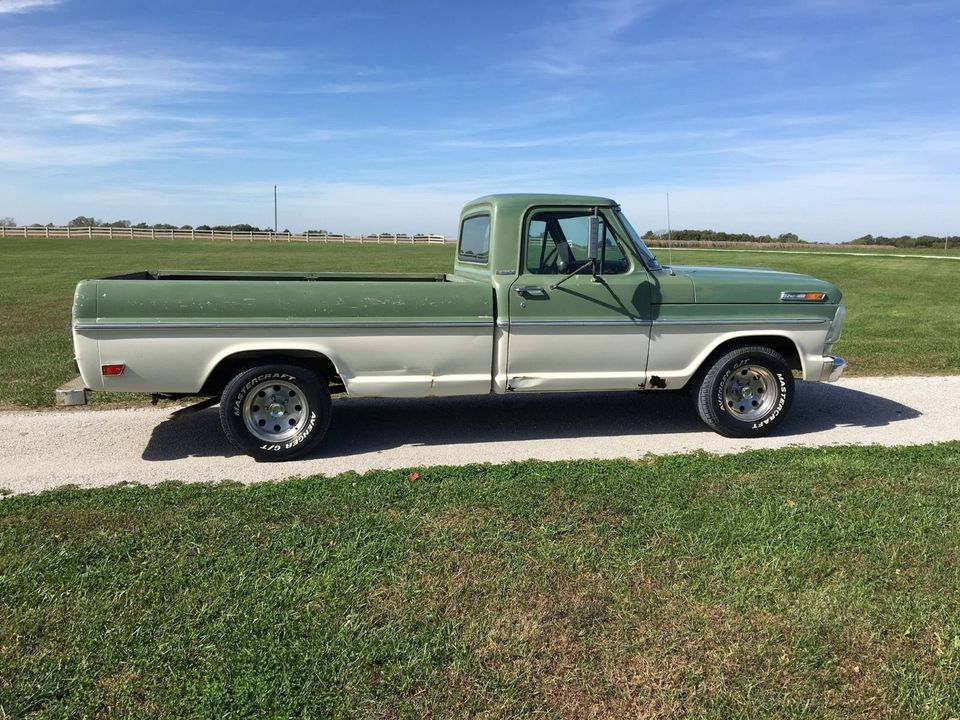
(586,333)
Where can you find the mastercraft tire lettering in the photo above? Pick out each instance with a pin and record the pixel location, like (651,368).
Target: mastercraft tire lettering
(275,412)
(746,392)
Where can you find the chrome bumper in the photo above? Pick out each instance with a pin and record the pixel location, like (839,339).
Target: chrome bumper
(833,368)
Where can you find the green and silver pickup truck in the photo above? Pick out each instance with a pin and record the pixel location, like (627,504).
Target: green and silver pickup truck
(549,293)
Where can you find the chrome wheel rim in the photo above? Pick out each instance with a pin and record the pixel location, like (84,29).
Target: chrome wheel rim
(750,392)
(275,411)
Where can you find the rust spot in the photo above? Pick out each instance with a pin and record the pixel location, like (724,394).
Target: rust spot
(657,382)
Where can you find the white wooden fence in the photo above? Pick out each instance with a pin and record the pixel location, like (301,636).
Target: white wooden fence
(231,235)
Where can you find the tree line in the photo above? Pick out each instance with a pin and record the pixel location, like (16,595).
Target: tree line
(714,236)
(90,221)
(909,241)
(717,236)
(84,221)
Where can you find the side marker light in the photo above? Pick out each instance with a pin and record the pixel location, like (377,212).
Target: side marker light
(800,296)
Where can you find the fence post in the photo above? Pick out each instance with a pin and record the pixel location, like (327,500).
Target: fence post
(68,232)
(46,232)
(3,230)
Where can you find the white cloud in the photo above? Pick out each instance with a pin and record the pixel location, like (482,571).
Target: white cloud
(591,139)
(48,93)
(43,61)
(34,151)
(78,78)
(588,32)
(22,6)
(360,87)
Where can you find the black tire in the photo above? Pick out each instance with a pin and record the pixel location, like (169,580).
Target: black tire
(746,392)
(290,422)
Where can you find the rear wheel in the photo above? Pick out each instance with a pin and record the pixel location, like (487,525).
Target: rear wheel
(746,392)
(275,412)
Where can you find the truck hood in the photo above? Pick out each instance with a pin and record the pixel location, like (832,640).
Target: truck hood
(749,285)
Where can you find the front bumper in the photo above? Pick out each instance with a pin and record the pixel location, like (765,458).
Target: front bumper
(833,368)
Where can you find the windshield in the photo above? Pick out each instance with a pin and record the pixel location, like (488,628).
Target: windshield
(642,250)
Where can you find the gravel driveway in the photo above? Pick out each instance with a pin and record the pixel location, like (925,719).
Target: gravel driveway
(42,450)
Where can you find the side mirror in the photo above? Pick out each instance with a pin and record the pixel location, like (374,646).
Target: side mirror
(593,238)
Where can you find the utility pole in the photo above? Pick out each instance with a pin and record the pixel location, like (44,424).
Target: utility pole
(274,209)
(669,234)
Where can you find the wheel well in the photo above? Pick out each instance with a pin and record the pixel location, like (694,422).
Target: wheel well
(227,368)
(783,345)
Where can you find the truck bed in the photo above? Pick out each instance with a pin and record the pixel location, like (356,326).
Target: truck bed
(386,334)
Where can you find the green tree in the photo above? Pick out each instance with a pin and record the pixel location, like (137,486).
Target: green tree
(84,221)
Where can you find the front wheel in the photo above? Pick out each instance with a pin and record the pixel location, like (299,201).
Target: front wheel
(745,393)
(275,412)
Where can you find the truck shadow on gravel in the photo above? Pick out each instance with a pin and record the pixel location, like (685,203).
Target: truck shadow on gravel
(368,425)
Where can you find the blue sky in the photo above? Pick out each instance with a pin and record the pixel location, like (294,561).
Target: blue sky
(829,118)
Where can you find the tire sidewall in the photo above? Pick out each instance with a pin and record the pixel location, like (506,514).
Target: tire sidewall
(236,392)
(730,364)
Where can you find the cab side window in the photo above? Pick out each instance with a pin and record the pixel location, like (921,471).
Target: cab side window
(475,239)
(557,244)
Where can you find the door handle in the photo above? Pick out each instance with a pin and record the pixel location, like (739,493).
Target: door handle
(528,290)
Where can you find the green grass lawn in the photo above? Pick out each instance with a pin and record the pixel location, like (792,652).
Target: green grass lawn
(904,315)
(780,584)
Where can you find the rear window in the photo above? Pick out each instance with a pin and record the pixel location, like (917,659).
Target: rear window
(475,239)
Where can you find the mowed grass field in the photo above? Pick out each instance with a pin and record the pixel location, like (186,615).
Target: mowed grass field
(904,313)
(797,583)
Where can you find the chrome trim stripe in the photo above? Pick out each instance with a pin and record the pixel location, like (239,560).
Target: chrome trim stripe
(570,323)
(386,325)
(746,321)
(644,323)
(270,325)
